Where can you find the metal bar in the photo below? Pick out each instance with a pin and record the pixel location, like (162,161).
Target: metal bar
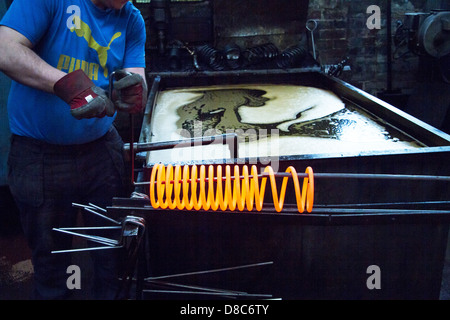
(131,151)
(209,271)
(111,84)
(377,176)
(85,249)
(89,208)
(102,240)
(190,292)
(328,210)
(332,176)
(382,204)
(177,285)
(97,207)
(91,228)
(378,211)
(78,205)
(102,216)
(207,293)
(227,138)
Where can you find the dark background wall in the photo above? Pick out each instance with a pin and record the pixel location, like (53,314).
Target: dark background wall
(343,31)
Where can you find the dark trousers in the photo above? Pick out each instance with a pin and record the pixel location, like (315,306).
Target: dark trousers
(45,180)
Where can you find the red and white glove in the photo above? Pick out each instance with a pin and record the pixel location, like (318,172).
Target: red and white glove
(130,92)
(86,100)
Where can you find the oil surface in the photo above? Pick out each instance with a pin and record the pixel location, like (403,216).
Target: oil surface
(274,120)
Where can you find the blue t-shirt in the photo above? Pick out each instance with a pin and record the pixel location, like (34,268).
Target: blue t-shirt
(71,35)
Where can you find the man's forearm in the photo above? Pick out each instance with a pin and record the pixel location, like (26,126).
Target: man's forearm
(19,62)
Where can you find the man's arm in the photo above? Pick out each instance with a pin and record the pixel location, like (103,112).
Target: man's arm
(22,64)
(19,62)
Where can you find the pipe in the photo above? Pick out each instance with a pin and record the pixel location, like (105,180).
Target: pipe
(339,176)
(231,139)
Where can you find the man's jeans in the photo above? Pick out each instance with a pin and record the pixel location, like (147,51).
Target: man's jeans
(45,180)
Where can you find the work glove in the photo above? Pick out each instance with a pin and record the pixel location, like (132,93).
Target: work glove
(129,92)
(86,100)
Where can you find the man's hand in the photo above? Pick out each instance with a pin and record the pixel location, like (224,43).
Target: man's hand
(130,92)
(86,100)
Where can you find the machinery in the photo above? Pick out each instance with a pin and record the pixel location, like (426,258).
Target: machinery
(295,225)
(313,240)
(427,36)
(428,33)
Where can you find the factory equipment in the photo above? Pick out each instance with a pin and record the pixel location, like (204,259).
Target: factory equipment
(312,246)
(426,33)
(360,184)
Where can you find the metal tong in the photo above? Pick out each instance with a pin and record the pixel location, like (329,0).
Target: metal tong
(311,26)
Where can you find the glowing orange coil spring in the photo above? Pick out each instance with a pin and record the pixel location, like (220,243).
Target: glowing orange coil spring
(244,192)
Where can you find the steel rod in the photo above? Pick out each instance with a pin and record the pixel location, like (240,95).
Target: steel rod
(208,271)
(86,249)
(102,216)
(366,211)
(227,138)
(89,209)
(191,287)
(379,176)
(98,239)
(207,293)
(91,228)
(328,176)
(97,207)
(190,292)
(292,208)
(382,204)
(131,151)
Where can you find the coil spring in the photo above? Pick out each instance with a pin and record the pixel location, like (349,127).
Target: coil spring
(211,57)
(232,56)
(245,192)
(262,53)
(291,57)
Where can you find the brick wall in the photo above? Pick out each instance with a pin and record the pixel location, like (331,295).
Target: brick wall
(342,31)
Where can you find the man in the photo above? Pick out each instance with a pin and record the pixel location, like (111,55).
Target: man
(64,148)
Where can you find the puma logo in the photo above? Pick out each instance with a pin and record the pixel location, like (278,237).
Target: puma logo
(84,31)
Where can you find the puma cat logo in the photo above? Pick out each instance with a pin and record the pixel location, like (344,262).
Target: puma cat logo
(82,30)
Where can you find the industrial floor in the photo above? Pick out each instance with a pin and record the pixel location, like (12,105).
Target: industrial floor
(16,269)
